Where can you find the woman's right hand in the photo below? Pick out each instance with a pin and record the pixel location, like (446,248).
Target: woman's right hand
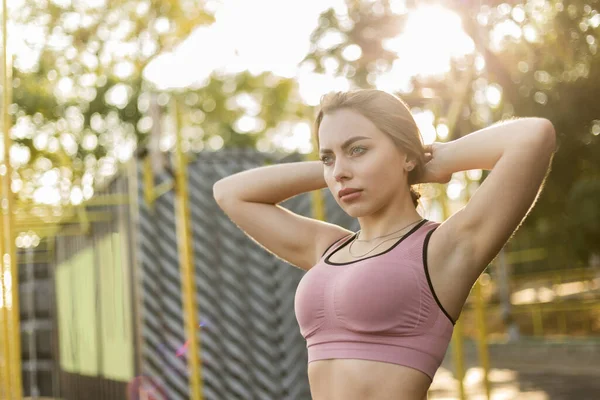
(434,169)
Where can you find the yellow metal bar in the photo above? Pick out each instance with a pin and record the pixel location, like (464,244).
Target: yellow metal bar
(572,273)
(452,116)
(84,221)
(318,203)
(32,222)
(482,346)
(538,324)
(11,253)
(551,306)
(149,195)
(5,321)
(4,328)
(163,188)
(318,207)
(522,256)
(458,354)
(186,260)
(458,357)
(114,199)
(562,317)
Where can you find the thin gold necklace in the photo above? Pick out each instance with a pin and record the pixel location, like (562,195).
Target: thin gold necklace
(387,240)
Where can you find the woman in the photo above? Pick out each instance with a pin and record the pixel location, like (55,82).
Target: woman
(377,307)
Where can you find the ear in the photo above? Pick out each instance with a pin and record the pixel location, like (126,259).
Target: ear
(408,165)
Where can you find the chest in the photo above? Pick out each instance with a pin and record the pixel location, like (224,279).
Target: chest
(357,251)
(373,295)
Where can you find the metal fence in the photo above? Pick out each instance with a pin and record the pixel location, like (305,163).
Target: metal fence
(102,312)
(115,299)
(251,347)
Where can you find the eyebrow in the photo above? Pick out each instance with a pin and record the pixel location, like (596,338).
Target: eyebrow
(346,143)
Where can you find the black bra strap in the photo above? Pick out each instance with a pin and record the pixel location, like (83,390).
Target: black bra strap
(334,243)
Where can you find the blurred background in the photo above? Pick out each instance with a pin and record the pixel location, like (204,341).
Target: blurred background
(119,115)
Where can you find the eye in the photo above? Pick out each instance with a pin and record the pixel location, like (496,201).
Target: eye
(363,150)
(357,148)
(323,159)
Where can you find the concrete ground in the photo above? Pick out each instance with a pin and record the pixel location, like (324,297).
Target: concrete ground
(526,371)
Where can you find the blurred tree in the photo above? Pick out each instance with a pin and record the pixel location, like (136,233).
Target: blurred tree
(540,56)
(77,80)
(552,70)
(81,102)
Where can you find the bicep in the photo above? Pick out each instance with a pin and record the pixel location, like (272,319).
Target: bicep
(293,238)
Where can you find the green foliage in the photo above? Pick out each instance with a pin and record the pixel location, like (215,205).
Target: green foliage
(83,99)
(583,210)
(86,87)
(553,72)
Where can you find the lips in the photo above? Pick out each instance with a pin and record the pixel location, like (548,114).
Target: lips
(346,191)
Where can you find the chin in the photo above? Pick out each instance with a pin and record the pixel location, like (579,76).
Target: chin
(354,211)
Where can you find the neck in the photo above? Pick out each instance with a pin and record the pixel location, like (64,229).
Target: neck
(387,221)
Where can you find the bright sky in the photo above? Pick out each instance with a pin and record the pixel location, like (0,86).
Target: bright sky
(274,35)
(259,36)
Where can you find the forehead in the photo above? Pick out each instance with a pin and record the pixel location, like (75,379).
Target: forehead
(343,124)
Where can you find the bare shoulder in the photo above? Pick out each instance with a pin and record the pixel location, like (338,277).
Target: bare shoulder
(328,237)
(294,238)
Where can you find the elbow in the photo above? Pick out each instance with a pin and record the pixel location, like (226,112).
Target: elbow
(547,134)
(540,134)
(218,192)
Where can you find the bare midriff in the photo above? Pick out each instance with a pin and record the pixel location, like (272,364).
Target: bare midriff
(352,379)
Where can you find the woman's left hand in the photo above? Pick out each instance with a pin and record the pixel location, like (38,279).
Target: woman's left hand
(434,171)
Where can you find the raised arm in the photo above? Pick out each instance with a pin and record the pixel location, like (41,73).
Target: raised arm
(519,153)
(272,184)
(251,200)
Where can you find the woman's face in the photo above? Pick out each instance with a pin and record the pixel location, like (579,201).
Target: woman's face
(357,155)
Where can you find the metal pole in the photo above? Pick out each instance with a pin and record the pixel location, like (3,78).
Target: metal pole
(149,195)
(33,371)
(11,253)
(482,346)
(458,356)
(458,353)
(5,372)
(503,273)
(184,236)
(318,202)
(480,321)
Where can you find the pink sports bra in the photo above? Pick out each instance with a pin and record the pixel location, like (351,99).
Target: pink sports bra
(380,308)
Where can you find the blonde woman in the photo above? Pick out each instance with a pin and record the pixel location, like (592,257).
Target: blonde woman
(377,307)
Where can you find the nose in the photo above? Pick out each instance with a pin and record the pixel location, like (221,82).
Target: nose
(340,170)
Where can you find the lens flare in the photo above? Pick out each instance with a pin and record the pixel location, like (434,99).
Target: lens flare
(145,388)
(183,349)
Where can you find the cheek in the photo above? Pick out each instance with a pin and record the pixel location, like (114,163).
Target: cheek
(382,170)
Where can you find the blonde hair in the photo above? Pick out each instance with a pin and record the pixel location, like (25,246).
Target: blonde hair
(390,115)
